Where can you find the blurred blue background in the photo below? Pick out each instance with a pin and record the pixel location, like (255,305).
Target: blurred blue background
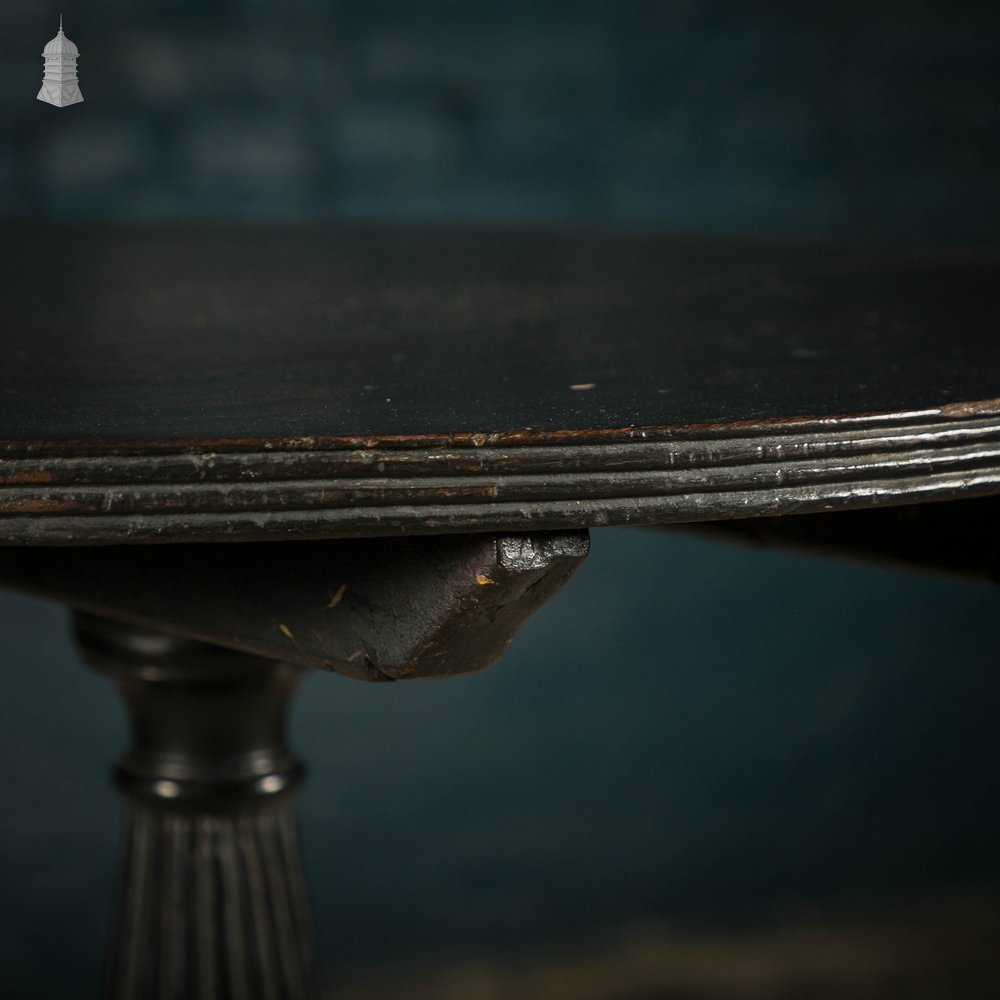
(809,118)
(691,731)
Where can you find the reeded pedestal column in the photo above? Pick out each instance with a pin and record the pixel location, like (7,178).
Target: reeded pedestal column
(212,903)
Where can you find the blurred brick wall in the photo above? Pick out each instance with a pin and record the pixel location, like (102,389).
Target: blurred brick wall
(812,118)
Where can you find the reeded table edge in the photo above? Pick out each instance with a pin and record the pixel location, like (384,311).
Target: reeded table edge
(87,492)
(523,437)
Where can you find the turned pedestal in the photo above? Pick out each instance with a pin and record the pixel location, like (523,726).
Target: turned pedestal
(212,902)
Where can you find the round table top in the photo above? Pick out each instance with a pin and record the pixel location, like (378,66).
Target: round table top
(239,382)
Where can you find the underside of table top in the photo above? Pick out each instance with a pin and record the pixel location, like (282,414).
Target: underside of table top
(220,382)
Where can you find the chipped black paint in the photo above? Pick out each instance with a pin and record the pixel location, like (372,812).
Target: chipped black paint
(408,608)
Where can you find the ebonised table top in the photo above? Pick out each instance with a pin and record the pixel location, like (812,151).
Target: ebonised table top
(240,382)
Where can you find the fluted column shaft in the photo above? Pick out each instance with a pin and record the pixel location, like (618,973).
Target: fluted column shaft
(212,902)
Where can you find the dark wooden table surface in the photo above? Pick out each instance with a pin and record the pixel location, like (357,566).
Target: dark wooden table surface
(207,383)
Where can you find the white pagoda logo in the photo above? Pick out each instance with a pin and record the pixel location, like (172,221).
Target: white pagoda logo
(59,85)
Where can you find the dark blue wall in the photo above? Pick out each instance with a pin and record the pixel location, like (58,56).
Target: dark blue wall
(821,118)
(690,729)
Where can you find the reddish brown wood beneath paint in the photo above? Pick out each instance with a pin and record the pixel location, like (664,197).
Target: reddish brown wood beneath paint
(118,334)
(166,384)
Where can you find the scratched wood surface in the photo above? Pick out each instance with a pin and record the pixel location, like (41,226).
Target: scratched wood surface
(220,382)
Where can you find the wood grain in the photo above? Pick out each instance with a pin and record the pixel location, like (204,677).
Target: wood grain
(220,382)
